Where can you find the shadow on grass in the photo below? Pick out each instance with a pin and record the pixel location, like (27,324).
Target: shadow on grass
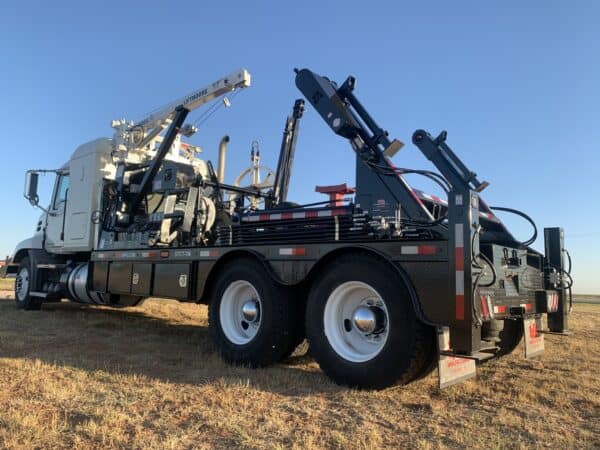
(128,341)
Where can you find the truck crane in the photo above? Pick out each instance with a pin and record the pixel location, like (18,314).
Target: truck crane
(385,281)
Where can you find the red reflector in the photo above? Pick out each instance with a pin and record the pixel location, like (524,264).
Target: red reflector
(459,258)
(460,307)
(500,309)
(484,307)
(528,307)
(553,302)
(427,249)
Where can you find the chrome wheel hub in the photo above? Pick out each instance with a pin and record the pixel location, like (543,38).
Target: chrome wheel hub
(250,311)
(356,321)
(240,312)
(368,319)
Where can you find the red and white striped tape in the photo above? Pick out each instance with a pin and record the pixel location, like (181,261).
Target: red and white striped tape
(419,250)
(459,262)
(295,215)
(292,251)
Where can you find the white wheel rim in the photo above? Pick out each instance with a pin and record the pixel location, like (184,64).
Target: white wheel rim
(346,339)
(236,326)
(22,284)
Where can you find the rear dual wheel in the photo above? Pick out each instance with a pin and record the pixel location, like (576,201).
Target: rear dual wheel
(360,322)
(253,319)
(361,325)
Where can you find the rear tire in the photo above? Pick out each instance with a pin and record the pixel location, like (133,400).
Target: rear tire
(507,334)
(362,327)
(251,316)
(510,336)
(24,283)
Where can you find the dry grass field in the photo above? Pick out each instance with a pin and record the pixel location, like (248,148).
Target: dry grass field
(148,377)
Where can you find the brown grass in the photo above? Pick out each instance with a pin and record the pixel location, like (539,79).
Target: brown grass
(7,284)
(149,377)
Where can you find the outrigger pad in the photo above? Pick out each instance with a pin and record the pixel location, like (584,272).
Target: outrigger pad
(534,339)
(452,369)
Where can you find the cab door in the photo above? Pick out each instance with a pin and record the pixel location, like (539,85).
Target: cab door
(55,222)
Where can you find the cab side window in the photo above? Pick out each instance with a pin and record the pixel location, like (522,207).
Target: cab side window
(62,190)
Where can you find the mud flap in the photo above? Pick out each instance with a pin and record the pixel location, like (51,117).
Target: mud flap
(452,369)
(533,337)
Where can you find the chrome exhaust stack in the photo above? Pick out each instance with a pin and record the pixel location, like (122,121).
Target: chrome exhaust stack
(222,154)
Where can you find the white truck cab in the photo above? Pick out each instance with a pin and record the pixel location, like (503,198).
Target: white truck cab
(70,225)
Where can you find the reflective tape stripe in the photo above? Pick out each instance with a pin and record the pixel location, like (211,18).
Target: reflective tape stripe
(458,235)
(427,249)
(460,282)
(499,309)
(296,215)
(410,250)
(337,228)
(484,306)
(459,256)
(460,307)
(553,302)
(294,251)
(419,250)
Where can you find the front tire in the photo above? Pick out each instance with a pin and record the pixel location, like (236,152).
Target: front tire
(23,287)
(251,317)
(362,327)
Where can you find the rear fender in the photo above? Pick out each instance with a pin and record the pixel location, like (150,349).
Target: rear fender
(316,268)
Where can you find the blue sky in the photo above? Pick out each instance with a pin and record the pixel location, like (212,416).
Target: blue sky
(515,84)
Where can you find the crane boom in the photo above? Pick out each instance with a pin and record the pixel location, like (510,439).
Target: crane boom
(237,80)
(173,115)
(130,136)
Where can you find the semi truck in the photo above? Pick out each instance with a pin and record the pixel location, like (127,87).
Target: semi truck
(385,281)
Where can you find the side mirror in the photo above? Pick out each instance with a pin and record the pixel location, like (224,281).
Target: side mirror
(31,187)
